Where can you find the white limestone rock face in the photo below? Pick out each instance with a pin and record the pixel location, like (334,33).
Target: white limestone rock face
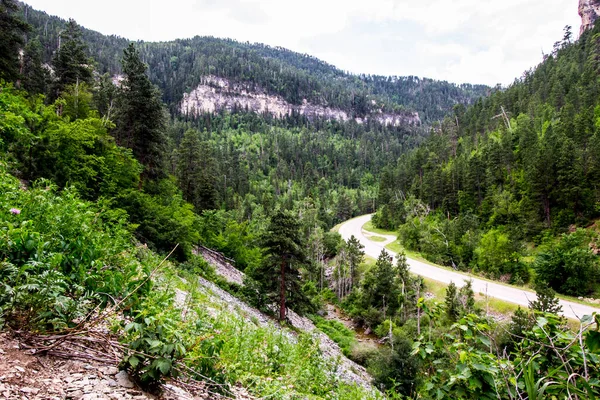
(589,10)
(216,94)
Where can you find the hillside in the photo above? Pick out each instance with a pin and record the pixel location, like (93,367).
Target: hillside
(110,207)
(508,185)
(178,67)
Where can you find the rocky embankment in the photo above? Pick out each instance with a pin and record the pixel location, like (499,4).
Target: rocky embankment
(348,370)
(216,94)
(26,374)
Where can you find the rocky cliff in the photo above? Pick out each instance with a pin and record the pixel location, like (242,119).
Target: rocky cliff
(216,94)
(589,10)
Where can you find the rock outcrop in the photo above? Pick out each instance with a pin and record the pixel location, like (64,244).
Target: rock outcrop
(589,10)
(216,94)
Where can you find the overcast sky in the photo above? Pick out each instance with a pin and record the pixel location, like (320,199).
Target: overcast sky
(475,41)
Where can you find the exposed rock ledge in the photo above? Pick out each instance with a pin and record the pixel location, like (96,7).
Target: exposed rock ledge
(216,94)
(589,10)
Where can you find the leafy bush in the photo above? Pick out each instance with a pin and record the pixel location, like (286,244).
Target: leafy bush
(569,266)
(338,332)
(497,254)
(153,341)
(60,255)
(164,219)
(396,368)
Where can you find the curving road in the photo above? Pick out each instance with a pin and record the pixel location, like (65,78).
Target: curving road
(500,291)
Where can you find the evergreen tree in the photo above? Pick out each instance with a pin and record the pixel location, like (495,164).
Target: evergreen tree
(467,297)
(35,76)
(196,171)
(140,116)
(279,274)
(407,299)
(188,168)
(355,256)
(207,193)
(380,288)
(12,30)
(71,63)
(452,302)
(520,323)
(546,300)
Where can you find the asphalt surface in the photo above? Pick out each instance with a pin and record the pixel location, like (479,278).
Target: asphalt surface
(497,290)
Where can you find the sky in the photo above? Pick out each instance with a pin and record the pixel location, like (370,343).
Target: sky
(461,41)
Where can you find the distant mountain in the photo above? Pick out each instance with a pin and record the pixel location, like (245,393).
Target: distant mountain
(180,66)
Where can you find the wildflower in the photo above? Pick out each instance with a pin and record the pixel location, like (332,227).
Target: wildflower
(15,211)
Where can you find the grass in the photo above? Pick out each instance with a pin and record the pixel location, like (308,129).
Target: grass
(396,247)
(338,332)
(377,238)
(371,228)
(438,289)
(269,361)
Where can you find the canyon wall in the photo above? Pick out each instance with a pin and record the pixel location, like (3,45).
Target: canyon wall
(216,94)
(589,10)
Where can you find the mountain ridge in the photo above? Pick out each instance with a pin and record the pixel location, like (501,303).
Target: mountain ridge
(177,67)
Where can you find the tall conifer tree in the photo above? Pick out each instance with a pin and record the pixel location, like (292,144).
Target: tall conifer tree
(12,30)
(280,273)
(71,62)
(140,115)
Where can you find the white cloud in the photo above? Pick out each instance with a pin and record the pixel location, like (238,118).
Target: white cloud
(479,41)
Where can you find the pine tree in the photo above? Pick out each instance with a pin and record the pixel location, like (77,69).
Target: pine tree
(71,63)
(546,300)
(140,117)
(380,285)
(407,299)
(188,165)
(355,255)
(452,302)
(279,275)
(12,30)
(35,76)
(467,297)
(196,171)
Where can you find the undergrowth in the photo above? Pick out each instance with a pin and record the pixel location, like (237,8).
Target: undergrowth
(61,258)
(338,332)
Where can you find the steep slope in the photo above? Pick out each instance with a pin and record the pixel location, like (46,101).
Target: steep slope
(520,166)
(178,67)
(348,370)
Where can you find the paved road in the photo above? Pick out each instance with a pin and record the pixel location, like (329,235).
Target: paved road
(499,291)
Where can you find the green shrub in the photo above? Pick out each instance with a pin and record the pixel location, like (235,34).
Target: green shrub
(60,256)
(153,341)
(569,266)
(338,332)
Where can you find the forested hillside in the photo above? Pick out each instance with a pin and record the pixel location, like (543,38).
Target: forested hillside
(177,67)
(106,198)
(511,172)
